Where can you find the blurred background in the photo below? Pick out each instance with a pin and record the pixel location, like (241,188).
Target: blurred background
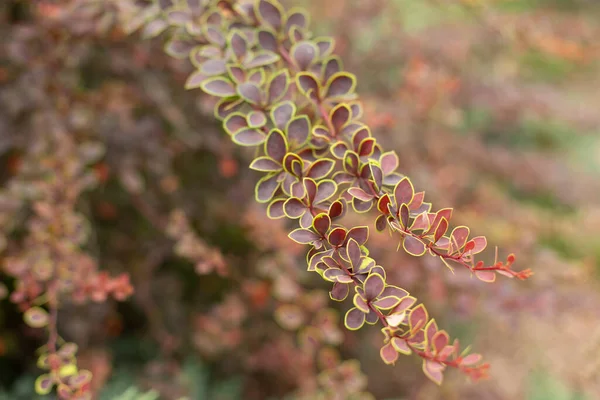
(492,106)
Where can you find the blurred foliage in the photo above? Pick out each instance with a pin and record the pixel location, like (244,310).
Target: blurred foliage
(491,105)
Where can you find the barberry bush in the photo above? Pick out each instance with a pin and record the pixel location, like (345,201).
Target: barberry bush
(282,94)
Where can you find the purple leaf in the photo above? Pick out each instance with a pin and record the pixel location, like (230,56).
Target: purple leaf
(266,188)
(308,85)
(294,208)
(303,236)
(261,59)
(238,44)
(213,67)
(276,145)
(218,87)
(404,192)
(248,137)
(266,164)
(373,286)
(275,209)
(360,194)
(340,84)
(298,130)
(277,86)
(282,113)
(321,223)
(270,13)
(414,246)
(354,319)
(250,92)
(332,66)
(339,292)
(386,303)
(354,253)
(256,119)
(304,53)
(325,190)
(320,168)
(389,162)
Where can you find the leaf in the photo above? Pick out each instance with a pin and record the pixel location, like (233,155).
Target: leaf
(476,245)
(389,162)
(213,67)
(270,13)
(417,317)
(238,44)
(359,233)
(321,223)
(265,164)
(395,319)
(267,40)
(373,286)
(218,87)
(308,85)
(440,340)
(43,384)
(304,53)
(276,145)
(266,188)
(154,28)
(250,92)
(387,303)
(340,115)
(459,237)
(261,59)
(404,192)
(331,66)
(360,194)
(294,208)
(297,18)
(486,276)
(289,316)
(298,130)
(195,80)
(440,230)
(337,275)
(282,113)
(275,209)
(336,237)
(360,303)
(248,137)
(83,377)
(388,354)
(326,188)
(413,246)
(354,253)
(339,292)
(471,359)
(320,169)
(178,48)
(354,319)
(303,236)
(277,86)
(401,346)
(325,45)
(432,371)
(36,317)
(366,147)
(256,119)
(340,84)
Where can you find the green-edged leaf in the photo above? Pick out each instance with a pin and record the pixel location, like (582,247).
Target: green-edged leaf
(404,192)
(282,113)
(373,286)
(387,303)
(267,40)
(265,164)
(294,208)
(303,236)
(320,168)
(43,384)
(256,119)
(261,59)
(266,188)
(238,44)
(321,223)
(213,67)
(417,318)
(326,188)
(218,87)
(414,246)
(388,354)
(308,85)
(401,346)
(340,84)
(195,80)
(276,145)
(248,137)
(486,276)
(434,371)
(36,317)
(275,209)
(270,13)
(337,237)
(250,92)
(325,45)
(298,130)
(179,48)
(303,54)
(277,86)
(339,292)
(354,319)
